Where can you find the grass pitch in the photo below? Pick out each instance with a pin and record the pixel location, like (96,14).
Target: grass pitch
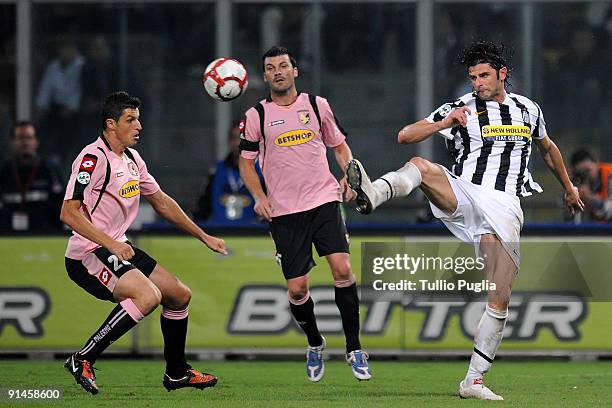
(129,383)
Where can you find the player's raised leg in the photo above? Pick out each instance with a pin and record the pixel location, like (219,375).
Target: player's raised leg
(501,270)
(137,297)
(347,300)
(302,309)
(418,172)
(174,318)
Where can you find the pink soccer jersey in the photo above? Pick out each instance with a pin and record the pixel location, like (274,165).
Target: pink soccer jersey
(109,187)
(292,153)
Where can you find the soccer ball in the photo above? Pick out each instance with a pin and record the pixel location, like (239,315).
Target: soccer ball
(225,79)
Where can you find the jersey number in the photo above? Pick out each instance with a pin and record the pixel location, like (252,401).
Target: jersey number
(115,261)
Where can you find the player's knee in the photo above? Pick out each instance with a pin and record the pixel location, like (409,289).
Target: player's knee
(182,297)
(343,272)
(298,295)
(148,299)
(423,165)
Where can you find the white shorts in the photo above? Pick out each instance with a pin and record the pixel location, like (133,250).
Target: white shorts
(483,211)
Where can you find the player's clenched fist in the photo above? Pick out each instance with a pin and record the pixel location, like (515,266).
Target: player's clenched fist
(458,116)
(263,208)
(124,251)
(216,244)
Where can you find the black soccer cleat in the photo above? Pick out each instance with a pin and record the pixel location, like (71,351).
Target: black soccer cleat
(192,378)
(358,180)
(83,373)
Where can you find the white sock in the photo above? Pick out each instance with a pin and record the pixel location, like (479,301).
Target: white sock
(397,183)
(487,340)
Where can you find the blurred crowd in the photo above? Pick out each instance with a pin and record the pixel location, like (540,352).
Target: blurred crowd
(82,53)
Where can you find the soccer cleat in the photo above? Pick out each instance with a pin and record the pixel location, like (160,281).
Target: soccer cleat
(315,367)
(359,181)
(192,378)
(358,360)
(83,373)
(477,390)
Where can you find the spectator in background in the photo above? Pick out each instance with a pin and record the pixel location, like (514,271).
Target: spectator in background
(31,189)
(226,198)
(59,99)
(594,182)
(99,76)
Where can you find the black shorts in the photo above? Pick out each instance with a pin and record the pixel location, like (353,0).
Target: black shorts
(294,234)
(100,270)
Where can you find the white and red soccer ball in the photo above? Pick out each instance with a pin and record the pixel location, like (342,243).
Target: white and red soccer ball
(225,79)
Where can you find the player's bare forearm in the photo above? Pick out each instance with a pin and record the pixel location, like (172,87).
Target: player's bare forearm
(343,155)
(71,215)
(554,160)
(418,131)
(168,209)
(250,178)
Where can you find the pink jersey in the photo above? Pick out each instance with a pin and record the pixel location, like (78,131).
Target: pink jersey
(109,187)
(292,152)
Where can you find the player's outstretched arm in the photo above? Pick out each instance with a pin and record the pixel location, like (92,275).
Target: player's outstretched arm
(423,129)
(169,210)
(554,160)
(343,157)
(249,176)
(72,216)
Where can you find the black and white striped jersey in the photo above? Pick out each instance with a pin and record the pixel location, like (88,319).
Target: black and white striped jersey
(493,150)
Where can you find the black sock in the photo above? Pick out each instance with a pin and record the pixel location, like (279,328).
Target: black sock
(305,317)
(175,333)
(116,325)
(348,304)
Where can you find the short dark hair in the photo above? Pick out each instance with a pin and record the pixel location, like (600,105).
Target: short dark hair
(115,104)
(275,51)
(21,123)
(579,156)
(486,52)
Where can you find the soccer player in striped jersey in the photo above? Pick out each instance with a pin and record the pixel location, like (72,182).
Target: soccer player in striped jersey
(101,202)
(489,134)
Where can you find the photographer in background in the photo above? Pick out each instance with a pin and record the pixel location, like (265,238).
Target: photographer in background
(594,181)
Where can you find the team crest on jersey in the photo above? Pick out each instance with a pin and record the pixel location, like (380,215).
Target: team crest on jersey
(294,137)
(526,116)
(130,189)
(304,116)
(133,169)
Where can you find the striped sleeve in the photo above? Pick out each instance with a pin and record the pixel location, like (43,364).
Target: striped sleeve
(88,172)
(250,135)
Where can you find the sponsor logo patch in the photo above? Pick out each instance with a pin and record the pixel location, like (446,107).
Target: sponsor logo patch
(445,110)
(294,137)
(304,116)
(276,122)
(84,177)
(241,128)
(130,189)
(104,277)
(506,133)
(88,163)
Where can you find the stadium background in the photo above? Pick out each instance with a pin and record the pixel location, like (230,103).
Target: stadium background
(381,65)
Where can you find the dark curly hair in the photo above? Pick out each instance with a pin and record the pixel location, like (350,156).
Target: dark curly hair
(487,52)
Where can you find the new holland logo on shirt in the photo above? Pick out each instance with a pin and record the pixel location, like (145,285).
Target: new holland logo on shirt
(506,133)
(294,137)
(130,189)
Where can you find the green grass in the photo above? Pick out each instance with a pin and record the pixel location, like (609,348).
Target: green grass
(284,384)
